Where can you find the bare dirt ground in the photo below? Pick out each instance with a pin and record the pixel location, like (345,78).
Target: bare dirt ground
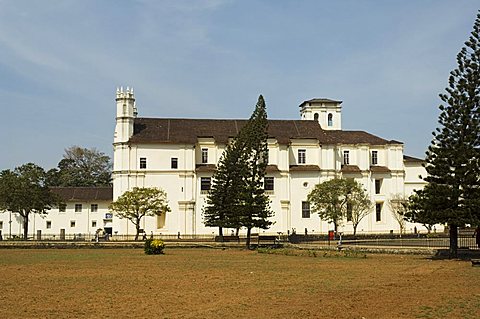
(202,283)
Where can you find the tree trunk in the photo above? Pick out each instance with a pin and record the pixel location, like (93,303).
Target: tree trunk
(137,227)
(453,240)
(25,226)
(355,230)
(220,233)
(249,232)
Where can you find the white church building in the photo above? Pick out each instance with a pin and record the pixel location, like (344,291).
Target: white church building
(180,155)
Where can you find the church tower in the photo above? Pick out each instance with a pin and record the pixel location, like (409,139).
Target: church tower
(126,113)
(328,113)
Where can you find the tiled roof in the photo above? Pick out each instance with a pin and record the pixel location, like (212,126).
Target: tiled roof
(356,137)
(187,131)
(350,169)
(205,168)
(272,169)
(84,193)
(407,158)
(306,168)
(380,169)
(320,100)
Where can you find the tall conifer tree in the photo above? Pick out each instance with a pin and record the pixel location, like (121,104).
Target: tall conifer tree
(255,210)
(453,157)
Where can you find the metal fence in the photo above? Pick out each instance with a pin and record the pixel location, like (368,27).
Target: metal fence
(433,240)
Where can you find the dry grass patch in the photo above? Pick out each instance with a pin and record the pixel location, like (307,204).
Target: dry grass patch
(201,283)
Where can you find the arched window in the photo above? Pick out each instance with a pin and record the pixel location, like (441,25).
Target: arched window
(315,116)
(330,119)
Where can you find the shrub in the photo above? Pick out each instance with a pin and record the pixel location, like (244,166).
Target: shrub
(154,246)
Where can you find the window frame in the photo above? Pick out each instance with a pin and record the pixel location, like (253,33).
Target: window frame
(174,163)
(78,208)
(205,184)
(329,119)
(48,224)
(378,212)
(269,183)
(143,163)
(93,208)
(62,208)
(73,223)
(374,157)
(302,156)
(306,210)
(204,155)
(346,157)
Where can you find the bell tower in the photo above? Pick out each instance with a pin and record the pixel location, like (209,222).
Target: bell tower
(328,113)
(126,113)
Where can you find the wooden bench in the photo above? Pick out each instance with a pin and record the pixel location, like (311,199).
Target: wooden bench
(475,262)
(268,240)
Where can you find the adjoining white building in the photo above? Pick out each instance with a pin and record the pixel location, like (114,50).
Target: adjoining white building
(85,210)
(180,156)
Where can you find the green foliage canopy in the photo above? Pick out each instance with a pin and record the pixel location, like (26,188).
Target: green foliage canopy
(24,191)
(138,203)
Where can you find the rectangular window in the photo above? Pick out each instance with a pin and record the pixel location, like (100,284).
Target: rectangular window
(302,156)
(62,208)
(378,212)
(72,224)
(346,157)
(305,210)
(205,183)
(143,162)
(78,208)
(374,157)
(378,186)
(269,183)
(94,208)
(48,224)
(204,155)
(174,162)
(1,224)
(94,223)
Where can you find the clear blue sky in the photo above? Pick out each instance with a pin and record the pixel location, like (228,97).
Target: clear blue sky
(61,60)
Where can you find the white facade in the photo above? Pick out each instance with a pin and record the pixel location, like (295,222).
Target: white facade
(296,167)
(84,212)
(178,154)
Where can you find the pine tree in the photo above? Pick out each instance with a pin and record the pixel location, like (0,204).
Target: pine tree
(222,203)
(237,198)
(453,157)
(255,204)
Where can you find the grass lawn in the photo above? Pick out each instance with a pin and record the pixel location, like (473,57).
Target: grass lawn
(202,283)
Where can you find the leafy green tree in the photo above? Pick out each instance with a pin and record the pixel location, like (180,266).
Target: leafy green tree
(453,158)
(138,203)
(337,199)
(420,211)
(329,201)
(24,191)
(398,205)
(81,167)
(358,204)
